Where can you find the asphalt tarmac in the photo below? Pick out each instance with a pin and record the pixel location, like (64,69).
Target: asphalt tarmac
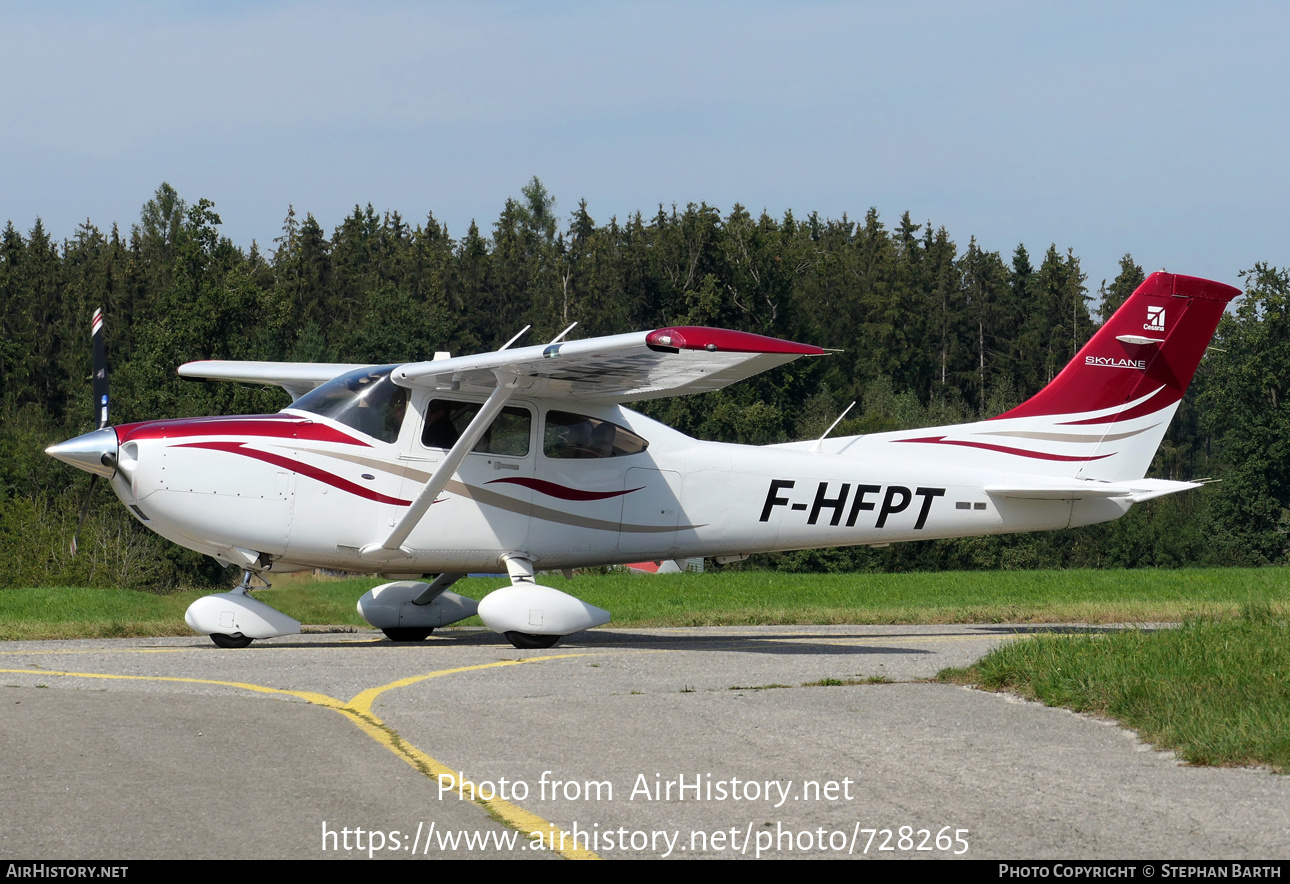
(616,743)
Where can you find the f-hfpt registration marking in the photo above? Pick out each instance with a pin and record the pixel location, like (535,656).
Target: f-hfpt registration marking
(895,499)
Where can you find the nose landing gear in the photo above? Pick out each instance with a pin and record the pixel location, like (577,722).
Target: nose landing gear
(233,619)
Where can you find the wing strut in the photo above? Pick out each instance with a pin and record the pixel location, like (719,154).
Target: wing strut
(391,546)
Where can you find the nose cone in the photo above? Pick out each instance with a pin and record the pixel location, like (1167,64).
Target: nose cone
(94,452)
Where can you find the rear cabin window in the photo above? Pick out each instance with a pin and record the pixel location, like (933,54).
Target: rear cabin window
(579,436)
(446,421)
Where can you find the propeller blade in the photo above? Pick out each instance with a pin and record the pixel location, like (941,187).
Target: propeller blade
(85,508)
(100,386)
(100,370)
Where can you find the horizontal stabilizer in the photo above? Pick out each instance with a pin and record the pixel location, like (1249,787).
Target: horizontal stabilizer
(1077,489)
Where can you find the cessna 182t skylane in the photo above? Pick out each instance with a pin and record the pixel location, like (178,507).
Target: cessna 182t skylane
(525,459)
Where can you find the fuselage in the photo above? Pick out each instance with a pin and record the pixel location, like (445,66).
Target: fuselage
(555,482)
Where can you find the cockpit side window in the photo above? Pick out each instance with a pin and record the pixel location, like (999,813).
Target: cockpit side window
(367,400)
(579,436)
(447,420)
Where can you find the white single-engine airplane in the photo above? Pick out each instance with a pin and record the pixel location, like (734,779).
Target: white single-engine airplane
(524,459)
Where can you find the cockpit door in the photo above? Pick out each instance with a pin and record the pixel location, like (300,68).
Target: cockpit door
(484,508)
(583,486)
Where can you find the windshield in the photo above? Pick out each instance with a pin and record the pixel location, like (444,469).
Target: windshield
(365,399)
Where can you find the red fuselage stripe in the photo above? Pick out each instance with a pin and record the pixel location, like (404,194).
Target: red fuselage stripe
(1019,452)
(563,492)
(1142,408)
(277,428)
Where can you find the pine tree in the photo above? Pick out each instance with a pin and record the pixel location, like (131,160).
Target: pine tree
(1129,278)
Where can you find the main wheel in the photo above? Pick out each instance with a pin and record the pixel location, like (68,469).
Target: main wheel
(237,640)
(528,642)
(407,633)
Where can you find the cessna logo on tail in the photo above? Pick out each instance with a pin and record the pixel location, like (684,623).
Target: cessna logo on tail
(1115,362)
(1155,319)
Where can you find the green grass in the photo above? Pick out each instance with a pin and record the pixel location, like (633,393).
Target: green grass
(760,687)
(717,599)
(753,597)
(67,612)
(1214,690)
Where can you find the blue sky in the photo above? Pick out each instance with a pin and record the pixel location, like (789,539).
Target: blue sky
(1158,129)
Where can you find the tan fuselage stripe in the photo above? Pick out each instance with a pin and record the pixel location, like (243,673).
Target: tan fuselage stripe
(505,502)
(1067,437)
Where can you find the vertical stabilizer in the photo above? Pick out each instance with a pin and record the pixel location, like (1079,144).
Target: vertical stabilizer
(1103,417)
(1144,356)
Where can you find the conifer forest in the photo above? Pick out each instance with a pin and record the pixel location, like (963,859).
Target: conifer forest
(931,330)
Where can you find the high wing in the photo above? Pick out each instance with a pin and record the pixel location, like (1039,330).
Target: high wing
(673,361)
(619,368)
(297,378)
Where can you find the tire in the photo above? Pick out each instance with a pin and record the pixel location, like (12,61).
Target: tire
(407,633)
(528,642)
(237,640)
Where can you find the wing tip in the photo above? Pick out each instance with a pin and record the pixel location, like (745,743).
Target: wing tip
(714,340)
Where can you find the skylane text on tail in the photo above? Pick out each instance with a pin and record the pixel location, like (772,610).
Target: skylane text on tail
(526,459)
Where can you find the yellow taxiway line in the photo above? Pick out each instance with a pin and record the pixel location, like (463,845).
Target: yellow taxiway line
(359,712)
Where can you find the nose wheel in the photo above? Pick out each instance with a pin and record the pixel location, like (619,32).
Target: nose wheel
(236,640)
(233,619)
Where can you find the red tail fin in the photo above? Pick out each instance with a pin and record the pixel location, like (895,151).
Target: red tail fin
(1153,343)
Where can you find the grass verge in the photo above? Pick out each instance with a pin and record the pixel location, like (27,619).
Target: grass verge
(72,612)
(716,599)
(1215,690)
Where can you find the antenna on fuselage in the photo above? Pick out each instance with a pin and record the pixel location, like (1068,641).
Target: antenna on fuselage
(820,441)
(518,335)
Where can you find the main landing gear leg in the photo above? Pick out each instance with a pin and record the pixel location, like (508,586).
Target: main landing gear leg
(521,574)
